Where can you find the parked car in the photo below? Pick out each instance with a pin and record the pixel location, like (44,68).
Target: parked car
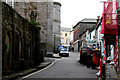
(86,54)
(64,52)
(49,54)
(59,48)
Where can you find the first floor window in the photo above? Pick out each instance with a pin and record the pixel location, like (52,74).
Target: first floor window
(65,34)
(61,40)
(67,41)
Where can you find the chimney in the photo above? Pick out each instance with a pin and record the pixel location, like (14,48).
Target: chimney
(98,18)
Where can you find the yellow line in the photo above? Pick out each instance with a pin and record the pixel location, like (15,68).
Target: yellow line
(39,70)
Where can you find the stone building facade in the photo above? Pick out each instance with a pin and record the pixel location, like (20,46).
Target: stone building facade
(56,23)
(45,18)
(43,13)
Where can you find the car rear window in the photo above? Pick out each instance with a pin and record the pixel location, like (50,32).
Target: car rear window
(63,49)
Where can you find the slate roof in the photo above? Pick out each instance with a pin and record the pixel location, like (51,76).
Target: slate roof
(64,29)
(87,20)
(85,24)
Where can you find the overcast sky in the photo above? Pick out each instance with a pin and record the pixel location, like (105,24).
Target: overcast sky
(73,11)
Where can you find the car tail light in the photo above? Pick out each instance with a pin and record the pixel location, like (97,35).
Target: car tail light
(80,51)
(88,52)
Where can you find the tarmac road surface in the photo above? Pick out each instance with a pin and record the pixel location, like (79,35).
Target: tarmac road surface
(65,67)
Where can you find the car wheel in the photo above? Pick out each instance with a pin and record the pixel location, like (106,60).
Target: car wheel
(93,66)
(88,66)
(68,55)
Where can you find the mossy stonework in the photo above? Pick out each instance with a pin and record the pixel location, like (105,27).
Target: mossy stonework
(20,42)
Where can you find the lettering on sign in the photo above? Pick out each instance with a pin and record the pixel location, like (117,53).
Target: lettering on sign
(108,21)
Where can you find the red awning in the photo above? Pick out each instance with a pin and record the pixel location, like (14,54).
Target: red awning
(110,19)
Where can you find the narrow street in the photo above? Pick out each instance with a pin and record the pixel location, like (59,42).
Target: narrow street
(34,32)
(66,67)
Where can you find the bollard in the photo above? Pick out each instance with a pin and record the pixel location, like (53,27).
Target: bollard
(42,55)
(103,72)
(22,64)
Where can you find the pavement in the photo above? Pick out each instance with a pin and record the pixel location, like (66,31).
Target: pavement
(110,72)
(56,55)
(48,61)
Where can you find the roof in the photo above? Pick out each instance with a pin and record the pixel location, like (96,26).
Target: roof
(64,29)
(86,26)
(86,20)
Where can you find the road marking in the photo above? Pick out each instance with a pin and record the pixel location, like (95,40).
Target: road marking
(40,70)
(59,59)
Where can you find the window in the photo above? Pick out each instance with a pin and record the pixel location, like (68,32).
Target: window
(67,41)
(61,34)
(90,35)
(61,40)
(65,34)
(74,37)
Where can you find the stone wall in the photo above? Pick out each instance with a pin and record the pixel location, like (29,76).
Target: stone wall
(20,42)
(0,40)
